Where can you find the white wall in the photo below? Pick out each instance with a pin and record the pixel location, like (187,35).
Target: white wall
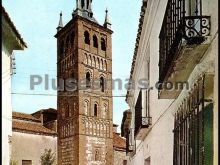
(31,147)
(119,157)
(158,144)
(6,105)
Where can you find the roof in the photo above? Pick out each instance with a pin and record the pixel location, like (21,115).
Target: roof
(49,110)
(8,19)
(141,21)
(31,127)
(24,116)
(85,15)
(118,142)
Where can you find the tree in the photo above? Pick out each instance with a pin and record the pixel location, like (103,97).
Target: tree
(48,157)
(12,162)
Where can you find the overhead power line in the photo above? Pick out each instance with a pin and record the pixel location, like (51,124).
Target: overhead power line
(55,95)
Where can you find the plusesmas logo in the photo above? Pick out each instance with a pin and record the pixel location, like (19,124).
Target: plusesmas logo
(71,84)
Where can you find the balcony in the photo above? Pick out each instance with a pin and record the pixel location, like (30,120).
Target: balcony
(184,38)
(127,132)
(142,127)
(142,118)
(130,144)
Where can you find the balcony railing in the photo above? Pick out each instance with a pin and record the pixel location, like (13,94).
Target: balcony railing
(181,22)
(142,120)
(193,125)
(130,144)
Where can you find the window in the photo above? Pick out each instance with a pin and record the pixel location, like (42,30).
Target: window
(86,37)
(94,62)
(194,8)
(102,84)
(105,111)
(67,112)
(95,110)
(73,75)
(67,42)
(98,63)
(199,136)
(193,129)
(124,162)
(103,44)
(87,59)
(26,162)
(88,4)
(90,60)
(72,38)
(138,113)
(86,106)
(101,67)
(61,48)
(105,67)
(88,80)
(95,41)
(97,155)
(82,4)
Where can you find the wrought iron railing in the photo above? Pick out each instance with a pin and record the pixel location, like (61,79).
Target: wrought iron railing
(146,121)
(141,120)
(189,129)
(180,23)
(196,28)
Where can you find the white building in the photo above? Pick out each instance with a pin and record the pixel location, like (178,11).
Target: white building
(32,134)
(168,126)
(11,40)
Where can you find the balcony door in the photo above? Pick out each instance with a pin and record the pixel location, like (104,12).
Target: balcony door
(138,112)
(193,7)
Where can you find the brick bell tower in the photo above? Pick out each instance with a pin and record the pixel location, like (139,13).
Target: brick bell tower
(84,52)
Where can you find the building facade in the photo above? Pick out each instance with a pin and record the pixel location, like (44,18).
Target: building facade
(84,53)
(119,145)
(11,41)
(32,134)
(175,121)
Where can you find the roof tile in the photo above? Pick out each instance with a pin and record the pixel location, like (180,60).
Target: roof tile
(24,116)
(31,127)
(118,141)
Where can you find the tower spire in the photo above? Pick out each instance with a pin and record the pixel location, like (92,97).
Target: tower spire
(77,4)
(107,23)
(60,25)
(83,8)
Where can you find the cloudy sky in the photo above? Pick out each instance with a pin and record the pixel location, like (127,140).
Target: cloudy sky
(37,20)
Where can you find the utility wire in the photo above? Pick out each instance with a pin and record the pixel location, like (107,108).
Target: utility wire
(54,95)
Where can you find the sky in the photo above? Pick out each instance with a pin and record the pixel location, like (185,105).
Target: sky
(36,20)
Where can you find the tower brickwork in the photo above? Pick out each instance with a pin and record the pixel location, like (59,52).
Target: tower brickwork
(84,53)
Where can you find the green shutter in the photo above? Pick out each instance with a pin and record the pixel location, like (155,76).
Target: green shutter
(208,135)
